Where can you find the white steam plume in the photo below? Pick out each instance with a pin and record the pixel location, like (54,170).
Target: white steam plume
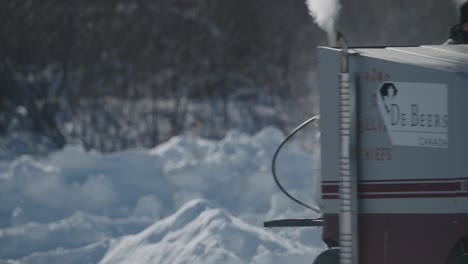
(325,13)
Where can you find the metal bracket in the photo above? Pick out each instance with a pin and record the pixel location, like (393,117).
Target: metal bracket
(294,223)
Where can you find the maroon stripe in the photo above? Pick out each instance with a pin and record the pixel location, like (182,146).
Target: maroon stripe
(329,188)
(405,180)
(415,180)
(400,187)
(404,195)
(410,187)
(330,197)
(408,195)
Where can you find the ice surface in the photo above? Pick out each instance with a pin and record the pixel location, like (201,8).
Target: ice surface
(187,200)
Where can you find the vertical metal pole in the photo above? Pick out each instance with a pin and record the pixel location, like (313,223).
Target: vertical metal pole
(347,176)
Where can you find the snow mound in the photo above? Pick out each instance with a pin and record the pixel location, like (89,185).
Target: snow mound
(76,231)
(91,253)
(74,204)
(200,233)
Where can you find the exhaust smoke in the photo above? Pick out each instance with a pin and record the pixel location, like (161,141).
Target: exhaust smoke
(325,14)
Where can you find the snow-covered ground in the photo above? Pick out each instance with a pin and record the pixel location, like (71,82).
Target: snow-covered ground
(188,200)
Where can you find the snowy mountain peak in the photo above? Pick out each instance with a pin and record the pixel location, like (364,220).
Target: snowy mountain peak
(201,233)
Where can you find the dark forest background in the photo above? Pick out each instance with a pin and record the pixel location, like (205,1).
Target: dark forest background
(112,75)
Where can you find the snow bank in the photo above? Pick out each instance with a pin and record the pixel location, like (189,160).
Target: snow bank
(76,205)
(204,234)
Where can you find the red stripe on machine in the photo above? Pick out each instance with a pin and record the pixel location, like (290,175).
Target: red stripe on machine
(430,188)
(407,195)
(330,197)
(330,188)
(405,180)
(410,187)
(397,195)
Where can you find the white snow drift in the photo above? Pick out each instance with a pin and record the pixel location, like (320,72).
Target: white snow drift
(187,200)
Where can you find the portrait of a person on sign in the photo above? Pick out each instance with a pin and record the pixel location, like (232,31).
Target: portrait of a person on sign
(388,91)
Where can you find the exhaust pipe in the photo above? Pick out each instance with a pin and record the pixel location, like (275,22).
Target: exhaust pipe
(347,163)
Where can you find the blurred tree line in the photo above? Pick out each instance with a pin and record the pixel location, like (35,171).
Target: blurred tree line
(93,70)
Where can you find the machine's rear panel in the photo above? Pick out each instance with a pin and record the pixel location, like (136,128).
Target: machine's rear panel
(379,160)
(407,190)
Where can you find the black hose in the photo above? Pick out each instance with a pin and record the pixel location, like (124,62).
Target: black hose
(273,163)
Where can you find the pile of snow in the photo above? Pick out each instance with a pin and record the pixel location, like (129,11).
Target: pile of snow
(187,200)
(203,234)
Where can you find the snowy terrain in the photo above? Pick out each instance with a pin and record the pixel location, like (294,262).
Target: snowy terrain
(188,200)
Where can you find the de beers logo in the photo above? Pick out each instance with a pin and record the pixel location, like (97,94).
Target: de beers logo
(415,114)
